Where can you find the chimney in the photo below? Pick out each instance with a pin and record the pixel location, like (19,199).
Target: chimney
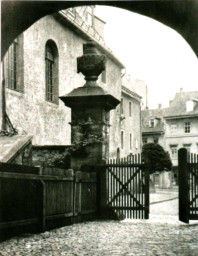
(159,106)
(181,90)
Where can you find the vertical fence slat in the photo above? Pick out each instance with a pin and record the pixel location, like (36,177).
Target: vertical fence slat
(128,187)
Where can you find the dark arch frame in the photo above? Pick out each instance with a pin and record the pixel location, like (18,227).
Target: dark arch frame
(179,15)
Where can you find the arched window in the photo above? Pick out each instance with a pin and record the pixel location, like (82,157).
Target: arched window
(51,71)
(14,65)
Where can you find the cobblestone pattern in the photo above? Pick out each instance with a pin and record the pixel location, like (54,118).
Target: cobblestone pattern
(109,238)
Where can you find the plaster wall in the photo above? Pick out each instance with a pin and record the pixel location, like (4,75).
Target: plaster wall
(29,111)
(150,139)
(131,124)
(179,138)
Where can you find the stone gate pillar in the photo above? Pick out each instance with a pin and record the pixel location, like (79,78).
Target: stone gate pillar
(90,111)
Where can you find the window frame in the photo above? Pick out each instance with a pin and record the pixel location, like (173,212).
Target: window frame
(122,140)
(103,77)
(144,141)
(12,65)
(156,140)
(173,127)
(130,109)
(122,106)
(187,126)
(131,141)
(152,123)
(51,72)
(174,155)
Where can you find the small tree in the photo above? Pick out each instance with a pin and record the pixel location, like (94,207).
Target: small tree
(155,158)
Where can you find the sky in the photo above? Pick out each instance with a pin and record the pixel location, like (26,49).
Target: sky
(151,52)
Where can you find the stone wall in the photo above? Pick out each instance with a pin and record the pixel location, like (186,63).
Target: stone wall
(29,112)
(51,156)
(24,156)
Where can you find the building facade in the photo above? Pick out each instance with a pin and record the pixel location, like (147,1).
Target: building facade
(41,65)
(174,127)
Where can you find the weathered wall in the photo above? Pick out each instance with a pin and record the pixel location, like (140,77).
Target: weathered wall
(180,138)
(151,138)
(29,112)
(51,156)
(131,124)
(128,124)
(24,156)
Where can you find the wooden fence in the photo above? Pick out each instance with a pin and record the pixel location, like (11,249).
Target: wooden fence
(188,186)
(34,200)
(128,187)
(192,166)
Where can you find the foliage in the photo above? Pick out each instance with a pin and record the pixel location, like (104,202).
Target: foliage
(91,139)
(156,158)
(76,149)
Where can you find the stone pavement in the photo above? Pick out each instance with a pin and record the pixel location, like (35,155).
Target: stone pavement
(164,202)
(109,238)
(159,236)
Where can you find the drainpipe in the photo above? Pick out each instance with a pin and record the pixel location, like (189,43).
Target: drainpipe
(3,100)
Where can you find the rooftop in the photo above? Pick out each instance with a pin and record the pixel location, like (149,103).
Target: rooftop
(178,104)
(177,109)
(88,32)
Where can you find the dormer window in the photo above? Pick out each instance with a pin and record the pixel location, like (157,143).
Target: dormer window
(152,123)
(189,105)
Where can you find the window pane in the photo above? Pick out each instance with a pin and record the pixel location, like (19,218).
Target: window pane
(187,127)
(122,139)
(10,66)
(174,152)
(121,107)
(129,108)
(49,59)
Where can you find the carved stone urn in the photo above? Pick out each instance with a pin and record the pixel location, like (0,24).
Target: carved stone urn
(91,64)
(90,110)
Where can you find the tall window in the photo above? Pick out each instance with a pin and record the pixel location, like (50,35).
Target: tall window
(103,78)
(144,140)
(187,127)
(122,139)
(131,141)
(122,107)
(10,66)
(130,109)
(51,72)
(155,140)
(174,152)
(151,123)
(173,128)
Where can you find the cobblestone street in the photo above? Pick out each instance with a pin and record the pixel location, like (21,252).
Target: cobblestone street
(160,235)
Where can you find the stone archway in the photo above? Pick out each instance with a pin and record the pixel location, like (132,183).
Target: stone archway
(179,15)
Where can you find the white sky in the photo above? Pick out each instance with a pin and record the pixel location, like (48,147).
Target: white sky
(151,52)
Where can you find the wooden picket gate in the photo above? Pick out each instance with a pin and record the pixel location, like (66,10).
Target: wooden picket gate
(188,186)
(128,187)
(192,166)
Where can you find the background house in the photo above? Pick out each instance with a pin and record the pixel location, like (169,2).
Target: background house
(41,65)
(130,119)
(174,127)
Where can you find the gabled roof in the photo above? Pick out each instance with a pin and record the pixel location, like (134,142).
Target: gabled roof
(178,105)
(131,93)
(177,109)
(87,32)
(148,114)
